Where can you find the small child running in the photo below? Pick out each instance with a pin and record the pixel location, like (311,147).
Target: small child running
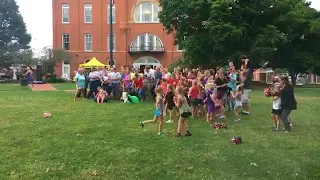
(158,112)
(170,102)
(276,108)
(236,102)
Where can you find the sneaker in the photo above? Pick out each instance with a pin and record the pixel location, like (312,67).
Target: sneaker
(274,129)
(169,122)
(160,134)
(291,125)
(246,113)
(188,134)
(142,124)
(237,120)
(178,135)
(164,114)
(222,117)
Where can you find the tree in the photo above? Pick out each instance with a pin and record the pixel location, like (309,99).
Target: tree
(51,57)
(13,33)
(186,20)
(283,32)
(26,57)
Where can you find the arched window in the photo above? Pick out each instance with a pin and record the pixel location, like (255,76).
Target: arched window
(146,42)
(147,60)
(146,12)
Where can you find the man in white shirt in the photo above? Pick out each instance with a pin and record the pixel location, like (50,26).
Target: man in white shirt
(115,78)
(94,78)
(152,71)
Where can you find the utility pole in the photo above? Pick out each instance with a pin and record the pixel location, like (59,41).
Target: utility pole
(111,30)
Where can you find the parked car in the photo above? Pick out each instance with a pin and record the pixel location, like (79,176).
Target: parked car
(302,79)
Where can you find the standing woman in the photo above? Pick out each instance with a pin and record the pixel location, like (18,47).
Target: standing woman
(29,76)
(222,88)
(94,77)
(288,102)
(105,84)
(127,81)
(80,81)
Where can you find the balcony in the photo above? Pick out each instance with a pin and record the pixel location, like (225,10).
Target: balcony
(151,49)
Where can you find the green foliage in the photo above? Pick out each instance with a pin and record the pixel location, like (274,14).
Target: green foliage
(178,63)
(26,57)
(54,79)
(51,57)
(13,33)
(283,32)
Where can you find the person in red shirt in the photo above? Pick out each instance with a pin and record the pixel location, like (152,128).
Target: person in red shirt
(138,84)
(193,95)
(173,80)
(163,86)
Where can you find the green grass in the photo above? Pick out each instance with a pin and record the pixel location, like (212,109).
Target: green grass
(64,86)
(84,140)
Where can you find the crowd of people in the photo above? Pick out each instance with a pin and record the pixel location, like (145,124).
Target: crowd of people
(185,93)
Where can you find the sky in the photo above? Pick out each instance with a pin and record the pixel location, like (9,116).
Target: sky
(39,20)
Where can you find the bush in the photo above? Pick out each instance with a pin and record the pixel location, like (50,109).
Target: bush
(178,63)
(54,79)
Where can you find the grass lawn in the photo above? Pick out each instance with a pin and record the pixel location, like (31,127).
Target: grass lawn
(64,86)
(84,140)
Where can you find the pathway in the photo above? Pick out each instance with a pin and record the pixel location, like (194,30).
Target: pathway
(43,87)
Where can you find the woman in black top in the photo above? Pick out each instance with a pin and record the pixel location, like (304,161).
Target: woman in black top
(288,101)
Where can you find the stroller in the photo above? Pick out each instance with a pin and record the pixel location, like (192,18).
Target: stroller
(24,83)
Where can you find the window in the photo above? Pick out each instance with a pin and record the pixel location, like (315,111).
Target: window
(113,14)
(66,41)
(146,12)
(113,42)
(180,46)
(88,42)
(88,13)
(147,42)
(65,13)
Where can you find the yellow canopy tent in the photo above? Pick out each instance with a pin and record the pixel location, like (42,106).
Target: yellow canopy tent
(93,63)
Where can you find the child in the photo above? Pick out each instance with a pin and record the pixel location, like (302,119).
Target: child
(138,84)
(193,96)
(184,111)
(170,102)
(201,98)
(276,108)
(158,112)
(245,102)
(236,102)
(101,95)
(210,101)
(125,95)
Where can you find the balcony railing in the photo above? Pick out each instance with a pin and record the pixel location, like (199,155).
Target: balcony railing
(146,49)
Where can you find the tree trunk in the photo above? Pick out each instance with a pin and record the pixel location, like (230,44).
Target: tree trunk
(293,76)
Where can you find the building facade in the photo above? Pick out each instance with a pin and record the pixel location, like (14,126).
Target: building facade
(139,39)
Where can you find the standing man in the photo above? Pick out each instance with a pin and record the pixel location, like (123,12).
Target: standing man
(115,78)
(247,83)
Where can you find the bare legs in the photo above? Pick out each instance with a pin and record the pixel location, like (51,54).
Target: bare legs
(154,120)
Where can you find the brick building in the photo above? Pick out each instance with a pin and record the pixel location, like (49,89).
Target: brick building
(82,27)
